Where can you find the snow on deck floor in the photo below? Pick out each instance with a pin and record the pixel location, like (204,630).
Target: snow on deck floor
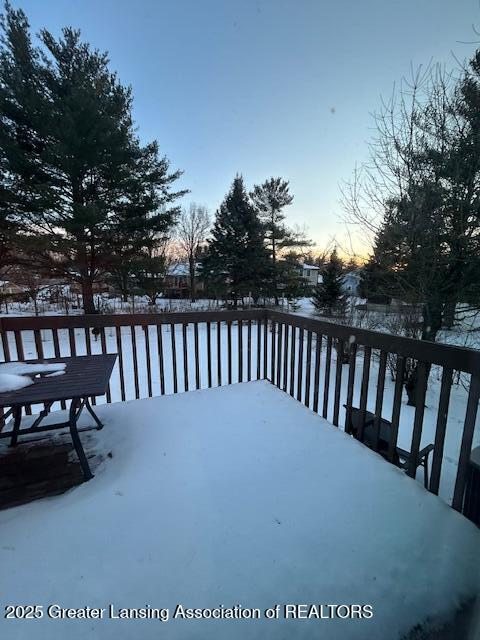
(236,495)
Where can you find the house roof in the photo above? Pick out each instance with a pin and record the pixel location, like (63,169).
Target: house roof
(178,269)
(356,273)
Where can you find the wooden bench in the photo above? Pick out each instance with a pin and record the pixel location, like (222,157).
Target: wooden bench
(381,442)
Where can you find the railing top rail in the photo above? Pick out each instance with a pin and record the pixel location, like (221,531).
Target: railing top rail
(30,323)
(459,358)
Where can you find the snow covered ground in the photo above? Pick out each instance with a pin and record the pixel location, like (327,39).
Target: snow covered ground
(235,496)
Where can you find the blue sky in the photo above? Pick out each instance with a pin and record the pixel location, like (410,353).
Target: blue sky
(265,87)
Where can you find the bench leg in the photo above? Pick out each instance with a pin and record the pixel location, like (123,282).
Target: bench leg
(73,417)
(17,419)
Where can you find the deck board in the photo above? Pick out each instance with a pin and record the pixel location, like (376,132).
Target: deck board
(42,467)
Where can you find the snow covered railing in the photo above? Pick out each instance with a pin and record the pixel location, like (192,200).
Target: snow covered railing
(323,365)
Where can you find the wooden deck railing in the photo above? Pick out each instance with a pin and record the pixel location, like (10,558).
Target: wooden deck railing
(172,352)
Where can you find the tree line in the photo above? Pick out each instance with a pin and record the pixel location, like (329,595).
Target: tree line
(82,199)
(418,196)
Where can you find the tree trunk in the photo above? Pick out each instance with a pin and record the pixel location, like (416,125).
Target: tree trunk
(449,314)
(87,296)
(432,323)
(274,264)
(191,266)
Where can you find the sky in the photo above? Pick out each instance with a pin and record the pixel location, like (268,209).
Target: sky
(266,87)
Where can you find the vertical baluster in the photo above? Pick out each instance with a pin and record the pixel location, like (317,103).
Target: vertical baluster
(285,358)
(292,361)
(367,356)
(118,333)
(56,351)
(88,347)
(326,385)
(21,356)
(397,405)
(39,349)
(174,357)
(72,343)
(197,356)
(219,354)
(441,428)
(420,393)
(338,380)
(88,344)
(146,330)
(209,354)
(185,356)
(56,343)
(19,345)
(5,345)
(240,350)
(229,351)
(249,347)
(316,380)
(308,371)
(272,351)
(300,364)
(38,344)
(265,348)
(161,364)
(259,337)
(103,342)
(382,367)
(279,353)
(133,336)
(350,386)
(467,439)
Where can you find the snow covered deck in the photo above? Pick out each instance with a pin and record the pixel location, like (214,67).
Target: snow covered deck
(235,496)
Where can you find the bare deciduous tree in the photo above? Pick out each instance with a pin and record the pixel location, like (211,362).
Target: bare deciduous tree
(417,198)
(192,229)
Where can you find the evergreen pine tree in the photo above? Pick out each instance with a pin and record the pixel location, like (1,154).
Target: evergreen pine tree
(376,283)
(75,179)
(328,296)
(235,263)
(269,199)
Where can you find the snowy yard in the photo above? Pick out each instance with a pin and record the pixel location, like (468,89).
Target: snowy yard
(235,496)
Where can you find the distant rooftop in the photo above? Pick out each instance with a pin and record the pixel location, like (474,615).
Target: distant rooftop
(309,267)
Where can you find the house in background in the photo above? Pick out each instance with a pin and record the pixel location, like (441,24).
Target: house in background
(351,282)
(177,281)
(309,272)
(11,290)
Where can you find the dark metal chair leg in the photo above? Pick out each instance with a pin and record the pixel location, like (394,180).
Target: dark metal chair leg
(93,414)
(87,474)
(17,419)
